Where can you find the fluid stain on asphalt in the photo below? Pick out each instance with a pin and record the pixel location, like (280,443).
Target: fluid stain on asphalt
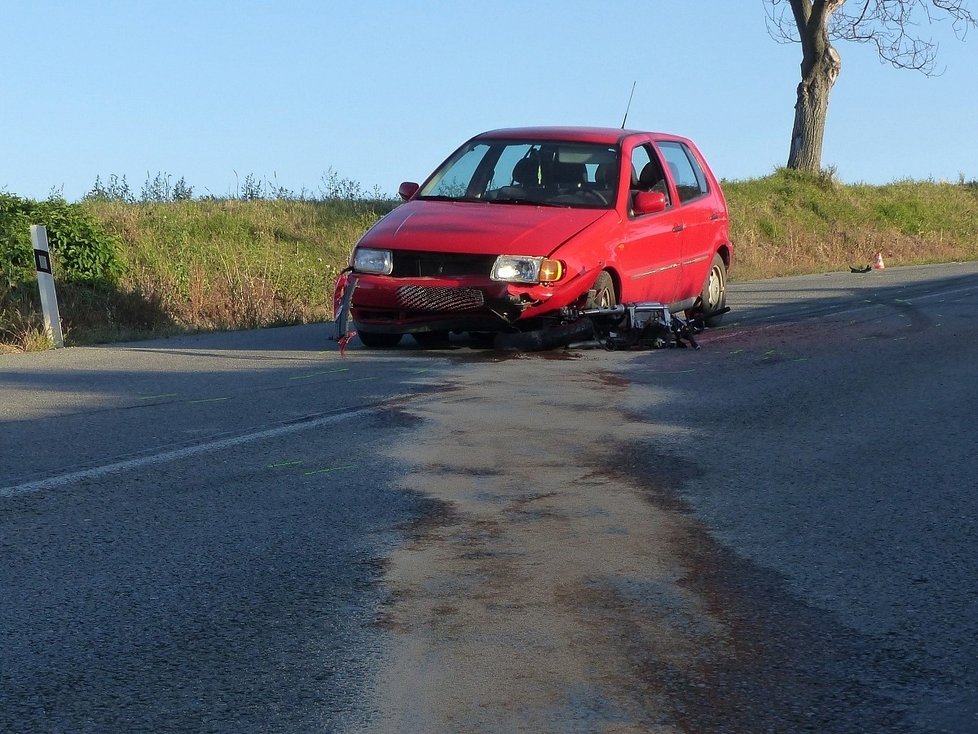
(504,609)
(781,665)
(565,586)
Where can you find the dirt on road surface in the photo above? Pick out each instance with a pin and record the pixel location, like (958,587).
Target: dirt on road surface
(563,589)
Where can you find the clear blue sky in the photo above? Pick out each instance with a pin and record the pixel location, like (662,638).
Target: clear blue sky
(381,92)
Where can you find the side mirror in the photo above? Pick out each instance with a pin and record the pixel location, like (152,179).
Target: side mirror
(407,189)
(649,202)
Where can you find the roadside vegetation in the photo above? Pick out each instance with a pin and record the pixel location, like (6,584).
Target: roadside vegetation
(791,223)
(168,262)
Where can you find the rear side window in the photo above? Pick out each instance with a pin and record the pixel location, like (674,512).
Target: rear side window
(686,170)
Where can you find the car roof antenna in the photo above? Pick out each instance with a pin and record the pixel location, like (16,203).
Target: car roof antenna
(628,106)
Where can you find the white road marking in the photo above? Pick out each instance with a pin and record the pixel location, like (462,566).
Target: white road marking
(164,457)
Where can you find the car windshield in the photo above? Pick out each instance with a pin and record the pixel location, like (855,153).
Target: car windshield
(555,173)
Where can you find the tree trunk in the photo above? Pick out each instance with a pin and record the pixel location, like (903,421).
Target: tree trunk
(820,67)
(812,106)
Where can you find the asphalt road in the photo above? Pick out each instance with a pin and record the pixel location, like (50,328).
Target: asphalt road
(836,487)
(248,532)
(192,532)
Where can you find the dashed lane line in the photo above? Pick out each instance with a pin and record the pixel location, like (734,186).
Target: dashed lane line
(329,469)
(310,375)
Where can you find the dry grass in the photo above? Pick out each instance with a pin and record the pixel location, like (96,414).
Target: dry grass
(789,223)
(217,264)
(222,264)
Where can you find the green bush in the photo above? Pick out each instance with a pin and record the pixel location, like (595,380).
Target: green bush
(16,258)
(82,251)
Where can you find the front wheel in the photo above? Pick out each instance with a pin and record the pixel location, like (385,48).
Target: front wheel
(432,339)
(549,337)
(376,340)
(602,293)
(714,295)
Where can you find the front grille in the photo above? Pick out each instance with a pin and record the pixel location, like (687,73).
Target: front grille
(438,298)
(433,264)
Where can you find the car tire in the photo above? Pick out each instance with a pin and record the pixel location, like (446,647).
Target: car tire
(714,295)
(602,293)
(482,338)
(550,337)
(431,339)
(376,340)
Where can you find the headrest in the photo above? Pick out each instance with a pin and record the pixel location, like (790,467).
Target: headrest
(570,174)
(651,175)
(526,172)
(604,175)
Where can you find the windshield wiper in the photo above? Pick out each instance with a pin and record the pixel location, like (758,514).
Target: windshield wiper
(449,198)
(527,202)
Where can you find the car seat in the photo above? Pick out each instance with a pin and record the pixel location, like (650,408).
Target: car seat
(569,176)
(526,173)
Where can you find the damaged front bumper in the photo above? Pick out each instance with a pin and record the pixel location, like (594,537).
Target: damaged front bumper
(382,304)
(424,308)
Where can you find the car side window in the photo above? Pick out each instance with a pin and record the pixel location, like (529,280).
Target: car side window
(685,169)
(647,172)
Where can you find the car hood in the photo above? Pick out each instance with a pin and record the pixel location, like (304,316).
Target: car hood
(478,228)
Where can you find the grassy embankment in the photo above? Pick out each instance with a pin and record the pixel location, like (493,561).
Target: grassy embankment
(199,265)
(218,264)
(790,223)
(213,264)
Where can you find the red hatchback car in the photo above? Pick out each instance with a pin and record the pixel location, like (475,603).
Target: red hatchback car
(517,225)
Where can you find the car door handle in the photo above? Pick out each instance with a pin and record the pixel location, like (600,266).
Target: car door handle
(714,216)
(679,228)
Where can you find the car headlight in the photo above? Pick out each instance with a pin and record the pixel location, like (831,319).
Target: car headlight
(516,269)
(368,260)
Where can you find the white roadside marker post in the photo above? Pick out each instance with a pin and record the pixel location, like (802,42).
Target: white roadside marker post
(45,283)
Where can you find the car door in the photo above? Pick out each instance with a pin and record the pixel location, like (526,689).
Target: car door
(650,249)
(698,216)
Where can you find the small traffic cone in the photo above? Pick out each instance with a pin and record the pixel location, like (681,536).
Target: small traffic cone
(878,265)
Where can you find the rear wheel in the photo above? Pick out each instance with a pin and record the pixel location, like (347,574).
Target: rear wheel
(602,293)
(375,340)
(714,295)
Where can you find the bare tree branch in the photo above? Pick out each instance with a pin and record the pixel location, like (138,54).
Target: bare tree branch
(894,27)
(780,29)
